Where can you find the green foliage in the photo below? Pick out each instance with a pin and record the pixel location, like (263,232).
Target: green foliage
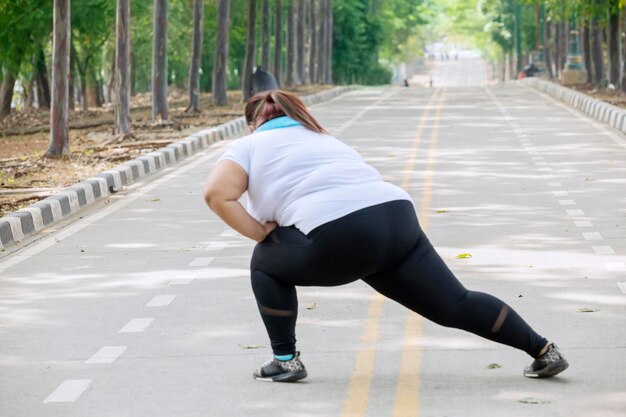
(366,31)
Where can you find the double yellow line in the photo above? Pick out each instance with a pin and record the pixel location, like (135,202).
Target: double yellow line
(407,392)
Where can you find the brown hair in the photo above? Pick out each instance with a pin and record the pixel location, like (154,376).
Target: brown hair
(269,105)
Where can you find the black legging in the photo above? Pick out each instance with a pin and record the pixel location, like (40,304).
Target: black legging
(384,246)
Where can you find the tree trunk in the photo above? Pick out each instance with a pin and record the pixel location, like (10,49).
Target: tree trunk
(265,36)
(220,68)
(624,67)
(321,42)
(29,92)
(112,83)
(246,73)
(278,44)
(587,50)
(548,49)
(196,57)
(313,43)
(614,46)
(59,132)
(300,43)
(329,62)
(159,62)
(42,80)
(122,69)
(6,94)
(596,53)
(564,45)
(291,45)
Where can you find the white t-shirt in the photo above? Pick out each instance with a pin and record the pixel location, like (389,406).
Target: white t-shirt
(306,179)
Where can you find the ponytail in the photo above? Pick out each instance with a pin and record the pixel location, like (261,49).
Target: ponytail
(269,105)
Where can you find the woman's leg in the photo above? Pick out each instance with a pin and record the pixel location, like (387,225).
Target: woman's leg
(337,253)
(423,283)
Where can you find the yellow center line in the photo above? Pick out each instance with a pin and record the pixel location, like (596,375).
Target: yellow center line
(407,393)
(361,379)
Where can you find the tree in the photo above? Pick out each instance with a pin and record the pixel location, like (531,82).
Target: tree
(278,45)
(220,76)
(59,132)
(291,45)
(6,93)
(196,57)
(265,35)
(246,73)
(122,69)
(313,43)
(614,43)
(300,16)
(159,62)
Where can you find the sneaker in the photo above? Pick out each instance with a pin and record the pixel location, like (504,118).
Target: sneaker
(281,371)
(547,365)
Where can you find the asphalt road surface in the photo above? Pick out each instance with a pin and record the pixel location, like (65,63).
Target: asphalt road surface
(143,307)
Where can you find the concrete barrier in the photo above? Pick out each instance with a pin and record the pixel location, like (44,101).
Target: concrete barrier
(25,222)
(603,112)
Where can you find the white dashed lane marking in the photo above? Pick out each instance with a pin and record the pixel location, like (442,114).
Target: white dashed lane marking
(583,223)
(216,246)
(560,193)
(622,286)
(575,212)
(567,202)
(603,250)
(555,184)
(107,354)
(201,262)
(161,300)
(592,236)
(68,391)
(136,325)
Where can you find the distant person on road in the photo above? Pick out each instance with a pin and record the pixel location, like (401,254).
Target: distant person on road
(323,217)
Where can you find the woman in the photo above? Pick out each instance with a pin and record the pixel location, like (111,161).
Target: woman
(323,217)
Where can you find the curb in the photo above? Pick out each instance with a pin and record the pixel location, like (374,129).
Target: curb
(603,112)
(16,226)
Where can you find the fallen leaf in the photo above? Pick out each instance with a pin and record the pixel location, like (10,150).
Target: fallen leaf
(493,366)
(312,306)
(531,400)
(520,296)
(155,199)
(587,310)
(463,256)
(442,211)
(251,346)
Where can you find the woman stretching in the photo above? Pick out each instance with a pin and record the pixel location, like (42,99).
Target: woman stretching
(323,217)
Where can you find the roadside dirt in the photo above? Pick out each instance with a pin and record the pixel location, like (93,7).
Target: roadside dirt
(26,177)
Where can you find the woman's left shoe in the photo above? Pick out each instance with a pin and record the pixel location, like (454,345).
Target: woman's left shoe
(549,364)
(281,371)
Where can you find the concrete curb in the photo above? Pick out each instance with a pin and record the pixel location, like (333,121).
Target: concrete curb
(604,112)
(25,222)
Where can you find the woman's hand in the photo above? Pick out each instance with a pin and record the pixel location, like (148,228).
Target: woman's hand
(267,229)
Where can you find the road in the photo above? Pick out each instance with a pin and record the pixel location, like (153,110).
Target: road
(142,306)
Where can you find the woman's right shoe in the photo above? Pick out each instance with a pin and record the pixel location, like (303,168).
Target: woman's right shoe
(549,364)
(281,371)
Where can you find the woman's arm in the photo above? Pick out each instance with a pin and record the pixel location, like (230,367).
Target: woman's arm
(226,184)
